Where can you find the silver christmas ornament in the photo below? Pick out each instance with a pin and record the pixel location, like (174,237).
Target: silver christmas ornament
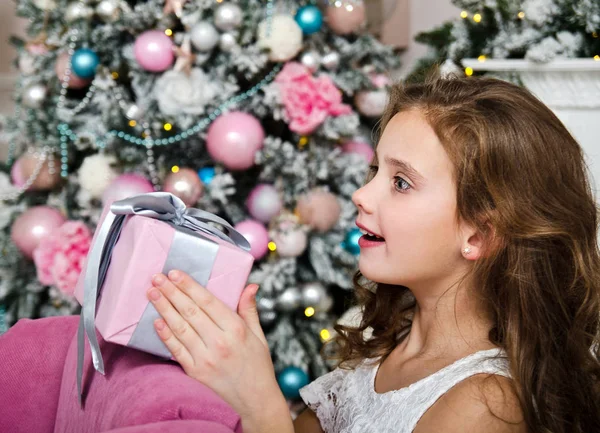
(312,60)
(227,42)
(290,300)
(228,16)
(133,112)
(108,10)
(34,95)
(331,60)
(204,36)
(267,318)
(78,11)
(315,295)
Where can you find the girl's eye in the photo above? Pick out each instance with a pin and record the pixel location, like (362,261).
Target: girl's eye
(401,185)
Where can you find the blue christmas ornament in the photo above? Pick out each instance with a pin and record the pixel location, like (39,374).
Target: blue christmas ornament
(290,380)
(84,63)
(310,19)
(206,175)
(350,244)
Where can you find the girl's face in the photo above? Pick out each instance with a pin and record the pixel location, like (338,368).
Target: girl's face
(411,204)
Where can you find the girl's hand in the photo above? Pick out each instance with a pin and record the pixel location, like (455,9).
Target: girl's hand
(228,352)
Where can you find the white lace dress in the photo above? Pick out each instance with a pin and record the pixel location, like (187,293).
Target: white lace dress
(345,401)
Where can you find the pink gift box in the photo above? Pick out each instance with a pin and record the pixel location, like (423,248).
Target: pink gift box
(145,247)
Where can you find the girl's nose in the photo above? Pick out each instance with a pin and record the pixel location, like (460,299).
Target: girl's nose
(360,200)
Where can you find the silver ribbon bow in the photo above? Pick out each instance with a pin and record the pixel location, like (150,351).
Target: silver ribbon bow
(158,205)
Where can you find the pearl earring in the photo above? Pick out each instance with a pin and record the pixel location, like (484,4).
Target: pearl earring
(467,250)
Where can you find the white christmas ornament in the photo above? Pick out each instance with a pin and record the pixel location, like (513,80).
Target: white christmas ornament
(204,36)
(312,60)
(78,11)
(331,60)
(96,173)
(45,5)
(227,42)
(26,64)
(108,10)
(34,95)
(228,17)
(282,36)
(371,103)
(178,93)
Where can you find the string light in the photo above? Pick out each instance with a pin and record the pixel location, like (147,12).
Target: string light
(115,75)
(325,334)
(169,32)
(272,246)
(597,58)
(175,169)
(594,34)
(469,71)
(464,14)
(477,18)
(303,141)
(168,126)
(132,123)
(521,15)
(309,312)
(482,58)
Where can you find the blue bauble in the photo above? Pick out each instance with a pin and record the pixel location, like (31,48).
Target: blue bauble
(350,244)
(84,63)
(206,174)
(290,380)
(310,19)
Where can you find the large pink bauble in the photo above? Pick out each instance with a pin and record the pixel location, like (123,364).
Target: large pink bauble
(184,184)
(363,149)
(33,225)
(290,243)
(319,209)
(264,202)
(75,82)
(24,167)
(234,138)
(257,235)
(126,185)
(347,18)
(153,50)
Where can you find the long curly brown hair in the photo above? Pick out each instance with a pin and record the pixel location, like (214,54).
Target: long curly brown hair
(521,180)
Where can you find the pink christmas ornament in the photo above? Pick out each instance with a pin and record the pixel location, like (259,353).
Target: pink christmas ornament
(361,148)
(319,209)
(36,49)
(126,185)
(75,82)
(184,184)
(60,257)
(264,202)
(153,50)
(290,242)
(347,18)
(33,225)
(233,139)
(371,103)
(257,235)
(24,167)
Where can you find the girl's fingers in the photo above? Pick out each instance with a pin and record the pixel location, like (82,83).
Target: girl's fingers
(177,349)
(187,308)
(178,326)
(219,313)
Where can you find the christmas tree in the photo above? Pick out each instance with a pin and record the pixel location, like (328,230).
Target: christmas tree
(536,30)
(259,111)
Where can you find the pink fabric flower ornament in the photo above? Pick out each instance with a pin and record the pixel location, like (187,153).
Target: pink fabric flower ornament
(308,100)
(59,257)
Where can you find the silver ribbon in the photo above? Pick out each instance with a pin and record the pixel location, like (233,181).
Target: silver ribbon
(158,205)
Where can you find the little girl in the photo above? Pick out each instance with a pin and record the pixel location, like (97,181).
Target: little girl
(478,284)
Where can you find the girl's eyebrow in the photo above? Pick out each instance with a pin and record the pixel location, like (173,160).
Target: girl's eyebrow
(405,167)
